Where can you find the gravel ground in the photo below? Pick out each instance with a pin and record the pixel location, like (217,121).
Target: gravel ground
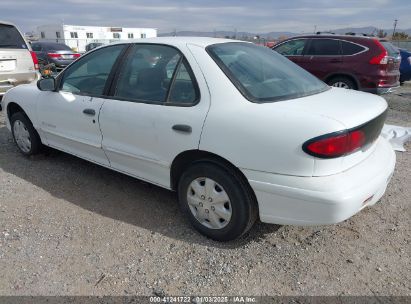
(68,227)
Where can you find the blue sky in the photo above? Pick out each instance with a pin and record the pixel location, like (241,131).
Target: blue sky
(208,15)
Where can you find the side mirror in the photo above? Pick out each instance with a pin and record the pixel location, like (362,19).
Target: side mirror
(46,84)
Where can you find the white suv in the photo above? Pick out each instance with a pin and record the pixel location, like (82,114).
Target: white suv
(18,64)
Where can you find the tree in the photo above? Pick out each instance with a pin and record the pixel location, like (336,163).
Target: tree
(381,34)
(400,36)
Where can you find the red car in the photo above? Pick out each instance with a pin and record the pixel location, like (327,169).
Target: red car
(353,62)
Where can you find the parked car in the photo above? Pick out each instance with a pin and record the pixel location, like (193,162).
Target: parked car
(352,62)
(18,64)
(93,45)
(405,67)
(59,54)
(237,130)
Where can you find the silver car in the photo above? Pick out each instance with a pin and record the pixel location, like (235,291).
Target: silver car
(18,64)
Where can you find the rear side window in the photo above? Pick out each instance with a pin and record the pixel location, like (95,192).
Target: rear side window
(183,90)
(292,47)
(10,38)
(349,48)
(392,50)
(324,47)
(156,74)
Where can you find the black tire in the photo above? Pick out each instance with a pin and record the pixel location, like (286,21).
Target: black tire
(343,80)
(244,210)
(36,145)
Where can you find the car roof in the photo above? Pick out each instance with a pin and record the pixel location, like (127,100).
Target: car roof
(180,41)
(332,36)
(7,23)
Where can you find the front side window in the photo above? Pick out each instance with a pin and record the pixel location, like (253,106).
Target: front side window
(89,74)
(292,47)
(324,47)
(156,74)
(262,75)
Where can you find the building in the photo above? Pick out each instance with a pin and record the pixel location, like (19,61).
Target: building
(77,37)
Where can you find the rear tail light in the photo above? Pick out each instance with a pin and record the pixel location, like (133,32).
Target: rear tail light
(54,55)
(382,57)
(35,60)
(77,55)
(335,144)
(345,142)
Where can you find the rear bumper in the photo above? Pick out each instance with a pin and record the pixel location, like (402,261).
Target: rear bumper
(380,83)
(11,80)
(293,200)
(61,64)
(382,90)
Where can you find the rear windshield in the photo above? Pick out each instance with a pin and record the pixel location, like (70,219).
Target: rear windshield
(57,47)
(263,75)
(10,38)
(392,50)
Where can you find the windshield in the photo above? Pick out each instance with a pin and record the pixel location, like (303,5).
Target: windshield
(263,75)
(11,38)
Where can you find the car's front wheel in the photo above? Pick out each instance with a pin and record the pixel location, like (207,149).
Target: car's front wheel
(24,134)
(217,202)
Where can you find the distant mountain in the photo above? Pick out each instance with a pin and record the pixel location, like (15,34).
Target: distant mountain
(276,35)
(230,34)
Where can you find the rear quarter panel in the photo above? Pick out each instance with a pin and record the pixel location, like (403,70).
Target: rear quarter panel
(263,137)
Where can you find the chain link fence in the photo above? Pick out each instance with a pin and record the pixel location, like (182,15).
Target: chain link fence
(402,44)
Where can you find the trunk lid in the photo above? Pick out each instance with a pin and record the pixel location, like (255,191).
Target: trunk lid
(351,109)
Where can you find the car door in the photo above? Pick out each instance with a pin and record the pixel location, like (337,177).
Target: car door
(323,57)
(69,116)
(292,49)
(158,107)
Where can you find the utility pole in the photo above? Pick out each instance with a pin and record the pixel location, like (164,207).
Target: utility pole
(395,27)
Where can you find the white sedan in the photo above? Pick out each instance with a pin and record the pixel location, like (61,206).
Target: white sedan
(237,130)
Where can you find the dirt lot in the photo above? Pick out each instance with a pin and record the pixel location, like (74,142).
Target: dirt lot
(70,227)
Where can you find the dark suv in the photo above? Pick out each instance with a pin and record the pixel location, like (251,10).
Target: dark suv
(353,62)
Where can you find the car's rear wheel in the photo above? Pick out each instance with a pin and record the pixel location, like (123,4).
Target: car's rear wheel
(342,82)
(24,134)
(217,202)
